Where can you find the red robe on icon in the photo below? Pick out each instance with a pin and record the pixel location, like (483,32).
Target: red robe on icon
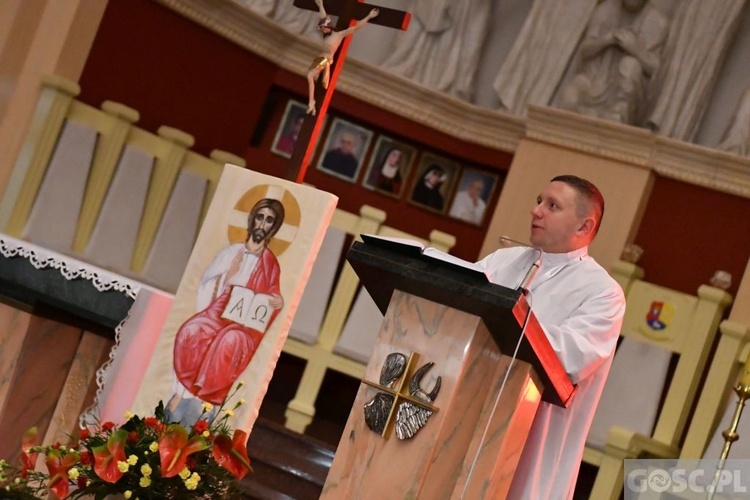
(210,352)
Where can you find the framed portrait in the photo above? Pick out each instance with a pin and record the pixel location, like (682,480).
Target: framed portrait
(473,194)
(289,127)
(389,166)
(344,150)
(434,182)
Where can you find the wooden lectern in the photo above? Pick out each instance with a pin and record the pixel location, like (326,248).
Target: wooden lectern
(470,437)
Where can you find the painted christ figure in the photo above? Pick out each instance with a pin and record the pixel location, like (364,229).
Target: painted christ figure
(238,298)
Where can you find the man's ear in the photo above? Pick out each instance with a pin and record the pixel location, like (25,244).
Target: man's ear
(587,227)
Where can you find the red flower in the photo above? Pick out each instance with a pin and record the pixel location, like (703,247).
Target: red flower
(59,466)
(152,422)
(200,426)
(108,426)
(84,434)
(232,454)
(175,447)
(133,437)
(107,455)
(28,459)
(85,457)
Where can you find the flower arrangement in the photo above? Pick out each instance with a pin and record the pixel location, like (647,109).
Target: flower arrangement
(144,458)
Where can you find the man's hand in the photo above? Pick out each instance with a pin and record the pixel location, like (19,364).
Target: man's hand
(373,13)
(276,301)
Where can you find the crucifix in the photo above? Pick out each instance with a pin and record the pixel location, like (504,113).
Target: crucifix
(348,12)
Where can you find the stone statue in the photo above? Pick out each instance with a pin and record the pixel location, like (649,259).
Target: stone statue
(298,21)
(441,48)
(619,54)
(699,39)
(737,136)
(539,56)
(262,7)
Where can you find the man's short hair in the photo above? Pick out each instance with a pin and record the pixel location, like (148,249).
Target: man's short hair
(274,205)
(589,192)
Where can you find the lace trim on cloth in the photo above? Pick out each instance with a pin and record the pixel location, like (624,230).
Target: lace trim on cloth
(91,415)
(70,268)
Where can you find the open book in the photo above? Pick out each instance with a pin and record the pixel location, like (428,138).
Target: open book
(248,308)
(413,247)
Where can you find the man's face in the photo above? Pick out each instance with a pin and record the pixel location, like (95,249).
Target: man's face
(262,224)
(475,190)
(347,143)
(555,223)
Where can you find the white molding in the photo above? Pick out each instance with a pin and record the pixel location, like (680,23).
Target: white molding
(702,166)
(590,135)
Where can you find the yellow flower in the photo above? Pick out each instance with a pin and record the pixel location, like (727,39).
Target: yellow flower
(184,473)
(240,384)
(230,413)
(132,460)
(128,415)
(128,494)
(146,470)
(206,434)
(241,402)
(123,466)
(73,474)
(208,406)
(192,482)
(154,446)
(145,482)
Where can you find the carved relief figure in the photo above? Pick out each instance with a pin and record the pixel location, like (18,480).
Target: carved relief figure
(535,65)
(619,54)
(441,48)
(700,37)
(238,299)
(737,136)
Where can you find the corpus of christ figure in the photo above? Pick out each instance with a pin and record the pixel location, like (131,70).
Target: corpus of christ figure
(335,41)
(331,41)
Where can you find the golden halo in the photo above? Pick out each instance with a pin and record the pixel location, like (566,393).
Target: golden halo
(292,216)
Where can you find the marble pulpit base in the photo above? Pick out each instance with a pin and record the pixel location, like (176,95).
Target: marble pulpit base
(471,445)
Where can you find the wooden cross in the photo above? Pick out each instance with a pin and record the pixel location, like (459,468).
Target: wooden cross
(348,12)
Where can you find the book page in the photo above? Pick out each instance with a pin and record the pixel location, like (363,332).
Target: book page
(248,308)
(452,259)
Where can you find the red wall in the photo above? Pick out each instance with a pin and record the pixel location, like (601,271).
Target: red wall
(176,73)
(688,232)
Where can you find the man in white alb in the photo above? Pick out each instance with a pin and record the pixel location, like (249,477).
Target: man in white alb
(580,308)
